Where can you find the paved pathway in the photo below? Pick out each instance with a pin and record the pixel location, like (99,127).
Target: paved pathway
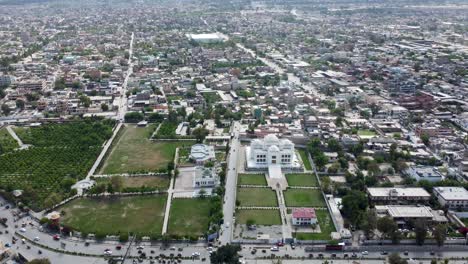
(15,137)
(103,152)
(170,194)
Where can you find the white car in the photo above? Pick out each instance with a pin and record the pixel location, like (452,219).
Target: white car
(107,252)
(36,239)
(274,249)
(365,253)
(23,230)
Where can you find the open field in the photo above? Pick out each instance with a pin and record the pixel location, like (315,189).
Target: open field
(303,198)
(264,197)
(251,179)
(7,143)
(189,217)
(302,179)
(326,227)
(305,160)
(134,152)
(260,217)
(154,182)
(139,214)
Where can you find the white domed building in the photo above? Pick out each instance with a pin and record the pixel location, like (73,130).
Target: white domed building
(262,153)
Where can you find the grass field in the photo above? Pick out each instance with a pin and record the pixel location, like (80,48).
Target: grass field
(303,198)
(326,227)
(7,143)
(251,179)
(365,132)
(159,182)
(189,217)
(135,152)
(264,197)
(301,179)
(305,160)
(138,214)
(261,217)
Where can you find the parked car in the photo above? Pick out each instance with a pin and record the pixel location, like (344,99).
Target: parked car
(56,237)
(274,249)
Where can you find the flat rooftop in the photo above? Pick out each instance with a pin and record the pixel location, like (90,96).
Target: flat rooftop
(452,193)
(397,211)
(398,192)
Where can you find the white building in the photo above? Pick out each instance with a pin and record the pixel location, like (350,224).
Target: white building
(271,151)
(206,38)
(205,177)
(394,195)
(452,197)
(200,153)
(303,216)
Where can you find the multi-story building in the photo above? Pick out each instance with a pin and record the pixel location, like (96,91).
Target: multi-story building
(452,197)
(303,216)
(428,173)
(271,151)
(391,195)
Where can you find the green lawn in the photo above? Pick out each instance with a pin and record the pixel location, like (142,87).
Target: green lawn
(302,179)
(251,179)
(139,214)
(134,152)
(326,227)
(189,217)
(305,159)
(303,198)
(261,217)
(366,132)
(156,182)
(7,143)
(264,197)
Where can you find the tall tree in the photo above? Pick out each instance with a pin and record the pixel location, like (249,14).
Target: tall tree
(227,254)
(440,234)
(387,226)
(395,258)
(354,206)
(420,230)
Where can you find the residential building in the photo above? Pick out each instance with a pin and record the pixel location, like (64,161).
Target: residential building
(427,173)
(200,153)
(304,216)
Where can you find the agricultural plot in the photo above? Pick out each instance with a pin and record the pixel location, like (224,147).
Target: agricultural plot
(258,217)
(262,197)
(134,152)
(142,215)
(7,143)
(61,154)
(303,198)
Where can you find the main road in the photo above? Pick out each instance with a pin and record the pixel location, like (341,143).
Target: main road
(123,91)
(231,183)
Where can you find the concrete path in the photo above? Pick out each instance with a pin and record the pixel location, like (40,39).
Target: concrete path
(286,227)
(170,194)
(103,152)
(15,137)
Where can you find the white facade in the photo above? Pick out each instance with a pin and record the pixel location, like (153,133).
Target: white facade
(205,177)
(271,151)
(452,197)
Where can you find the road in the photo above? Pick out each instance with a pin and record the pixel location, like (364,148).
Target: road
(231,183)
(123,92)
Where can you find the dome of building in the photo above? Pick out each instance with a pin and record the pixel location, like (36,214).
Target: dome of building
(271,139)
(273,148)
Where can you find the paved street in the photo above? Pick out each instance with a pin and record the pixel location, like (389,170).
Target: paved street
(231,183)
